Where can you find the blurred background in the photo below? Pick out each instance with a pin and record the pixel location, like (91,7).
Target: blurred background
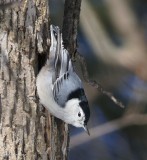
(112,37)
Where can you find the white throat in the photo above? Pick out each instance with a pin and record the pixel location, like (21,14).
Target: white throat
(66,113)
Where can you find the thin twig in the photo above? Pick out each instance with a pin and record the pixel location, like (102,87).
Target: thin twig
(95,84)
(109,127)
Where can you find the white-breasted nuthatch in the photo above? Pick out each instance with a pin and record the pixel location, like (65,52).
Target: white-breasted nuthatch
(59,88)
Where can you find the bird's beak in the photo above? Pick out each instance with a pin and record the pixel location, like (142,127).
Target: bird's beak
(86,129)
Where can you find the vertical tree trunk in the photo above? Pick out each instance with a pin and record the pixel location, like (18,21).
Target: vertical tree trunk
(25,133)
(24,32)
(70,24)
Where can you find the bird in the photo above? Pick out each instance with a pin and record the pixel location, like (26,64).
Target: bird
(59,88)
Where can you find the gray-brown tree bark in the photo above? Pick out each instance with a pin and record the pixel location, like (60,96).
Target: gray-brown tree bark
(26,133)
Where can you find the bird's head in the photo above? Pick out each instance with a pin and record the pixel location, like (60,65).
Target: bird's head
(78,113)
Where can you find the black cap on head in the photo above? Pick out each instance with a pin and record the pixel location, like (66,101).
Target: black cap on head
(80,94)
(85,107)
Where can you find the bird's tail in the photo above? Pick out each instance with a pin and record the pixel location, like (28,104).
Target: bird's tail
(59,56)
(65,61)
(53,47)
(53,60)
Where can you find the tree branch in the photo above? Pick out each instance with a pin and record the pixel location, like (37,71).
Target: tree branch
(132,54)
(70,24)
(101,130)
(96,85)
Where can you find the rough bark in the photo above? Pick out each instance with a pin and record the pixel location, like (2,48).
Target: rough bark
(70,24)
(26,133)
(23,34)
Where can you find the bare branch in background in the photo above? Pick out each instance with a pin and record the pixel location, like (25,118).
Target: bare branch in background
(96,85)
(101,130)
(132,54)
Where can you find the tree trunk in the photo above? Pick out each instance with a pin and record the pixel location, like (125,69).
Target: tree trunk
(27,131)
(22,36)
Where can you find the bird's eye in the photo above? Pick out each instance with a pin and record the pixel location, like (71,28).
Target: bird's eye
(79,114)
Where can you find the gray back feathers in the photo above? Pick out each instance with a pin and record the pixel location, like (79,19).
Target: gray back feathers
(64,79)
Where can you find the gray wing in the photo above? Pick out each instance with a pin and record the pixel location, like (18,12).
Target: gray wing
(59,56)
(64,86)
(68,80)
